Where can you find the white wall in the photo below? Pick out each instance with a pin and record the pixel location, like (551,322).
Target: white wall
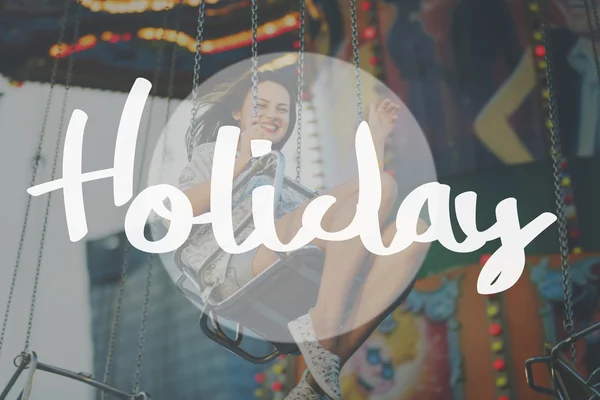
(61,334)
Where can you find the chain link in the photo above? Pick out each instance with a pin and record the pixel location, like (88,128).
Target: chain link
(57,147)
(143,326)
(556,152)
(356,60)
(116,319)
(126,252)
(254,58)
(593,32)
(196,82)
(148,285)
(597,21)
(61,35)
(300,90)
(174,51)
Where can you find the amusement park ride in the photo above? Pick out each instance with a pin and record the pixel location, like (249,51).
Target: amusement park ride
(179,44)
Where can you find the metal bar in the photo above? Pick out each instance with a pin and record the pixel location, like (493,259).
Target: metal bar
(31,361)
(33,366)
(227,343)
(572,371)
(573,338)
(87,379)
(529,374)
(13,379)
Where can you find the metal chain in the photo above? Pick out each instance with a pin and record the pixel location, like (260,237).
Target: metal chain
(597,21)
(196,81)
(126,253)
(116,319)
(593,32)
(556,152)
(170,90)
(254,58)
(356,60)
(148,285)
(300,89)
(143,325)
(61,35)
(57,148)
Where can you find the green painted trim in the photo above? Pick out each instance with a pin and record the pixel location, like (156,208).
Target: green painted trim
(532,186)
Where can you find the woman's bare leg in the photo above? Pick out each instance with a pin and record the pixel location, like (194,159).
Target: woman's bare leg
(387,280)
(316,334)
(342,259)
(289,224)
(379,295)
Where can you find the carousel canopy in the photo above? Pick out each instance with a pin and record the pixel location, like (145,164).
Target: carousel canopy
(120,40)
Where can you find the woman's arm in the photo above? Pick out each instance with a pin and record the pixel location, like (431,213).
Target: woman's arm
(199,194)
(492,125)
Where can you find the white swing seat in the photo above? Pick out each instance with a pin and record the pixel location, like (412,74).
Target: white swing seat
(278,295)
(568,382)
(281,293)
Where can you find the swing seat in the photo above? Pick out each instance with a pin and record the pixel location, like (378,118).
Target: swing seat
(568,382)
(281,293)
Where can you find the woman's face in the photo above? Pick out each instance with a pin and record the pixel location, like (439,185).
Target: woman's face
(273,110)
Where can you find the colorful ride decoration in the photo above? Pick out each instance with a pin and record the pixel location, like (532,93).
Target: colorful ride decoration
(446,341)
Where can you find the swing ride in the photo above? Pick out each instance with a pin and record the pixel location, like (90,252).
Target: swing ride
(252,308)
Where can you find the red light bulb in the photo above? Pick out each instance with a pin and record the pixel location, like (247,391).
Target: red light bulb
(495,329)
(277,386)
(484,258)
(540,51)
(369,33)
(365,5)
(574,233)
(499,365)
(259,378)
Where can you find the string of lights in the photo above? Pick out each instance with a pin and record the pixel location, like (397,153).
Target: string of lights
(266,31)
(498,349)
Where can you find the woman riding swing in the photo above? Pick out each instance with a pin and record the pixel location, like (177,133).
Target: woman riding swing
(318,334)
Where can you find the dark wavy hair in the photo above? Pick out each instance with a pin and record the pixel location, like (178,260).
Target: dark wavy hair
(228,98)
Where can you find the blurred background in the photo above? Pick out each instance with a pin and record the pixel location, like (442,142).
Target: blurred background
(471,72)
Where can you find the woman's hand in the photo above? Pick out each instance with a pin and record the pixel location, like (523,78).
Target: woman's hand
(253,132)
(382,119)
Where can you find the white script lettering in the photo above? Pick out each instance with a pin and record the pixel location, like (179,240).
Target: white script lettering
(501,271)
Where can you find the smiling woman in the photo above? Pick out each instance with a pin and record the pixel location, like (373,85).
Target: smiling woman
(231,104)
